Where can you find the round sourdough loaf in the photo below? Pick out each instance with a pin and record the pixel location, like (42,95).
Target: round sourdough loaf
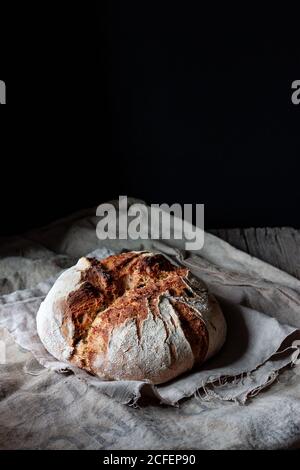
(133,316)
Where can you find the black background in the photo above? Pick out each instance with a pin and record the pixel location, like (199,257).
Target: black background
(164,103)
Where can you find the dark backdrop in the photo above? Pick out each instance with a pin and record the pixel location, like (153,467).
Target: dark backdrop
(165,104)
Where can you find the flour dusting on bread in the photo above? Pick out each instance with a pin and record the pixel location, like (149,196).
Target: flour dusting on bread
(132,316)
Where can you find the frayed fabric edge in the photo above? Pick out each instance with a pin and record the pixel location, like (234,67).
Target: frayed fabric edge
(209,392)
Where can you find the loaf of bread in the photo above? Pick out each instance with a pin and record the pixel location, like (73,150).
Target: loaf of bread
(133,316)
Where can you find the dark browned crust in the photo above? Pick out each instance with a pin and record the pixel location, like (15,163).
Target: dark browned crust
(128,286)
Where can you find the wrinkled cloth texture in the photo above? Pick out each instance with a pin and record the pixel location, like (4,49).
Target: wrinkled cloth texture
(262,309)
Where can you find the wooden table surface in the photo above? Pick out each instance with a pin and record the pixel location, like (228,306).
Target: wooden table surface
(277,246)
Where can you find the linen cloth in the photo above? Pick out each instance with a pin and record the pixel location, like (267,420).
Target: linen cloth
(261,305)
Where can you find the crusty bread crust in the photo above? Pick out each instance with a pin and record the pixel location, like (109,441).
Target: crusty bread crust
(133,316)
